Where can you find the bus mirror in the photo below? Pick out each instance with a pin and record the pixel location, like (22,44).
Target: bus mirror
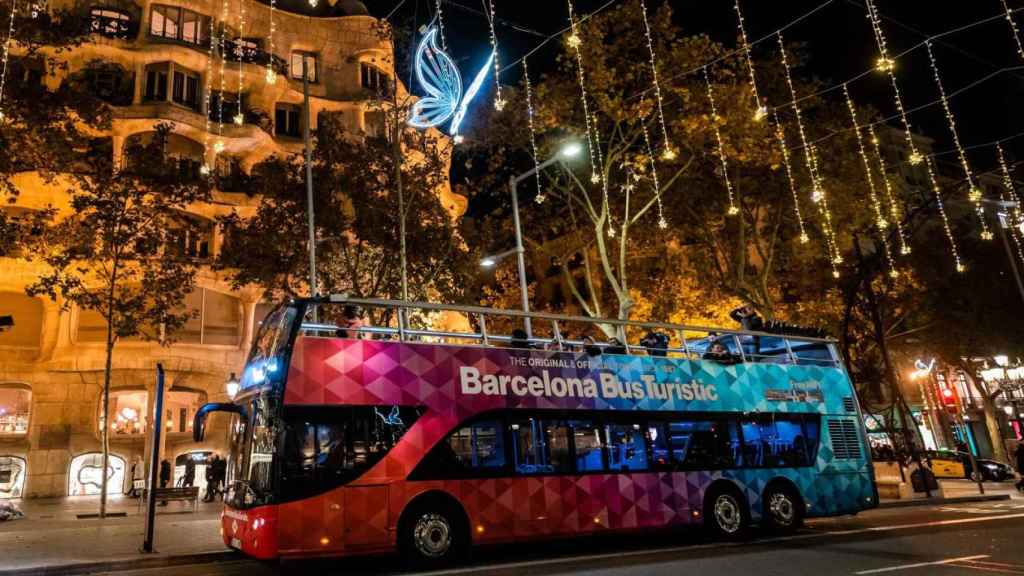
(199,423)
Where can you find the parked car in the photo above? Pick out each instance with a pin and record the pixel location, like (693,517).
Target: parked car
(953,464)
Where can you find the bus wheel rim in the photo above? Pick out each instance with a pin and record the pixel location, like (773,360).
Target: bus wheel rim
(727,513)
(782,508)
(432,535)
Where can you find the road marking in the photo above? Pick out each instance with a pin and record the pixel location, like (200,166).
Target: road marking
(923,564)
(655,551)
(989,567)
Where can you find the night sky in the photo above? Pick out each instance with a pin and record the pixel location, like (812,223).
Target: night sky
(838,36)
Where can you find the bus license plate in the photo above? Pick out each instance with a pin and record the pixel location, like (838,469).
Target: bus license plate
(236,543)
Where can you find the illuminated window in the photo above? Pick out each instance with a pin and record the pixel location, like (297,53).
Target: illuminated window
(110,22)
(12,476)
(217,319)
(15,409)
(296,65)
(85,476)
(128,412)
(175,23)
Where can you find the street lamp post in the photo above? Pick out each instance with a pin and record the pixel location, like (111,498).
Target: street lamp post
(308,151)
(570,150)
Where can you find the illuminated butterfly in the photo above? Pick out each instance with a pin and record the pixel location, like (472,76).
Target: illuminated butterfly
(439,77)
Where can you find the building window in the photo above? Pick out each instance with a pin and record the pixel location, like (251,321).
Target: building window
(110,83)
(287,120)
(224,106)
(246,49)
(85,476)
(111,22)
(296,65)
(179,24)
(375,124)
(186,89)
(128,412)
(217,319)
(15,409)
(156,85)
(12,476)
(375,80)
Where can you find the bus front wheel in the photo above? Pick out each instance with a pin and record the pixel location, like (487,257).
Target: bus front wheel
(432,535)
(783,508)
(725,511)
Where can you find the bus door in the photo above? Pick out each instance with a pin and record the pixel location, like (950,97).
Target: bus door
(366,517)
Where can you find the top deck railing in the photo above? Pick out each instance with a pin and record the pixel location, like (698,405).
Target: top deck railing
(551,332)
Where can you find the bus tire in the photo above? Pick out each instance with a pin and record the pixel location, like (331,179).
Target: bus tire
(433,533)
(725,511)
(783,508)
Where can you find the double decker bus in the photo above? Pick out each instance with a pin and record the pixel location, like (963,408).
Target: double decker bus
(393,437)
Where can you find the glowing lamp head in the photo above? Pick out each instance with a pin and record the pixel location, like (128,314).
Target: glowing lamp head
(760,114)
(232,386)
(129,413)
(595,178)
(960,268)
(271,77)
(668,154)
(662,223)
(539,198)
(885,64)
(571,150)
(733,210)
(574,40)
(915,158)
(488,262)
(218,146)
(239,119)
(1008,409)
(987,235)
(1002,360)
(804,238)
(947,393)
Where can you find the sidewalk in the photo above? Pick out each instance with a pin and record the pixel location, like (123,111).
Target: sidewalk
(52,534)
(954,491)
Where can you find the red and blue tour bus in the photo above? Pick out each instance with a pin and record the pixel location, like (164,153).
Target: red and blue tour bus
(399,438)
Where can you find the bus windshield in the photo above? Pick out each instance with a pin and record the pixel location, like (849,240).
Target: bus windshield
(252,454)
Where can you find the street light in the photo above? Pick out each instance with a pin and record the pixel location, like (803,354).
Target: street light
(568,151)
(232,386)
(492,261)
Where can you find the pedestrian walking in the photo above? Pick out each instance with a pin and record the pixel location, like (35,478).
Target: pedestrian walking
(211,475)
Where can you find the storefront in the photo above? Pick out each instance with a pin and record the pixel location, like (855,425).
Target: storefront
(12,477)
(85,475)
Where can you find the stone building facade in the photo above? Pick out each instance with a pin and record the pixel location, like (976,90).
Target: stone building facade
(152,61)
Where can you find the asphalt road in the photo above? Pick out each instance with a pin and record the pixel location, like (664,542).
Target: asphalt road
(976,539)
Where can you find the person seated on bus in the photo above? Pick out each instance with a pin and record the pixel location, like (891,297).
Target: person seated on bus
(590,347)
(519,339)
(350,323)
(614,346)
(655,343)
(717,352)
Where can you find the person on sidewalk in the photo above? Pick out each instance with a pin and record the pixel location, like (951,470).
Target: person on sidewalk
(1020,467)
(211,474)
(165,476)
(190,472)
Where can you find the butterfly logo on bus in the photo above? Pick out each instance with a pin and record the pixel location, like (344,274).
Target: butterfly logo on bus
(439,77)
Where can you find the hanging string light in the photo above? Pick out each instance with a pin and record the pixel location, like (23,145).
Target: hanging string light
(667,153)
(218,146)
(7,55)
(240,46)
(271,73)
(826,212)
(662,222)
(888,65)
(499,102)
(954,250)
(780,134)
(539,198)
(733,209)
(760,110)
(1013,28)
(974,193)
(575,42)
(207,99)
(880,221)
(894,209)
(440,24)
(818,193)
(1016,214)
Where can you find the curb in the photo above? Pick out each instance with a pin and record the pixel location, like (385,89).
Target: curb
(933,501)
(126,564)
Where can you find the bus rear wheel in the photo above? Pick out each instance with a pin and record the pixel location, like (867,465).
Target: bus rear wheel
(783,509)
(725,511)
(432,536)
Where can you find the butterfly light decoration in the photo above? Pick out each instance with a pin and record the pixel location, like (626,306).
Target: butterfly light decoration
(437,74)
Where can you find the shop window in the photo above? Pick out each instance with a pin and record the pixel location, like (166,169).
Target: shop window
(287,120)
(85,476)
(295,67)
(200,460)
(128,412)
(15,409)
(27,315)
(12,477)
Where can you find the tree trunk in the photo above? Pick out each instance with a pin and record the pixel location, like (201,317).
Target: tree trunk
(994,430)
(105,410)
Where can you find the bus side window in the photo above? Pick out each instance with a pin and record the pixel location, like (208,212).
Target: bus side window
(478,446)
(626,450)
(703,444)
(589,446)
(657,447)
(780,440)
(540,447)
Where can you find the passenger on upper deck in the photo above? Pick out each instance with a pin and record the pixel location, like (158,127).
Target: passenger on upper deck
(350,323)
(751,321)
(656,343)
(519,339)
(719,353)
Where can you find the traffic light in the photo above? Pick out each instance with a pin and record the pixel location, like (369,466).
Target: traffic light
(949,401)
